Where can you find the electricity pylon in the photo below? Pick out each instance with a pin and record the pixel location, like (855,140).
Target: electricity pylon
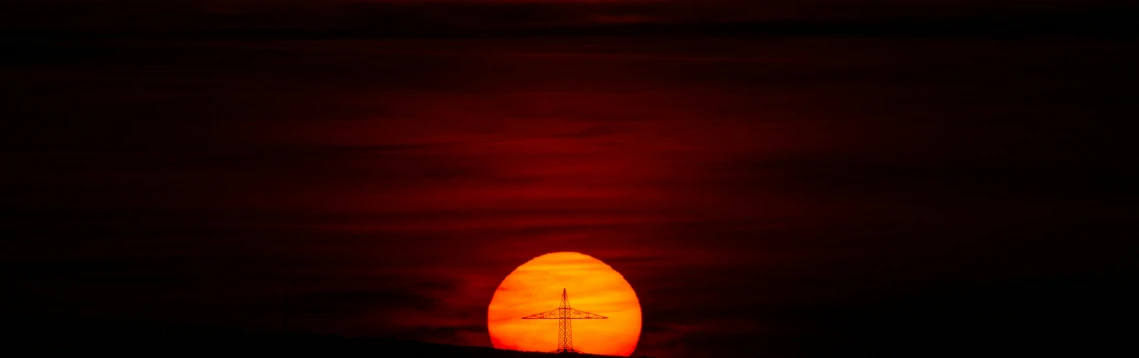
(564,314)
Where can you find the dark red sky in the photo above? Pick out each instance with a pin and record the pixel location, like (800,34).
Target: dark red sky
(792,196)
(452,17)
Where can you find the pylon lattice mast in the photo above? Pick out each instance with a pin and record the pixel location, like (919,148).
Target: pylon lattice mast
(564,314)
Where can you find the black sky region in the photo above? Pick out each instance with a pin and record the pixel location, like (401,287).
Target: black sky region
(785,179)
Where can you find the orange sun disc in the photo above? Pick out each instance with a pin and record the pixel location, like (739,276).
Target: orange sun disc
(591,285)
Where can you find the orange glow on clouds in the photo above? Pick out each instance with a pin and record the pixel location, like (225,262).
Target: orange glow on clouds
(593,286)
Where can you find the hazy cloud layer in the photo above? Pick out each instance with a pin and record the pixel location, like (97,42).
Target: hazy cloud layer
(746,188)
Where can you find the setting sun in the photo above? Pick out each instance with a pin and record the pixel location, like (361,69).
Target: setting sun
(591,285)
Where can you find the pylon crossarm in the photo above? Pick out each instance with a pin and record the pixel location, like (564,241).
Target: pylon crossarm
(570,313)
(551,314)
(575,314)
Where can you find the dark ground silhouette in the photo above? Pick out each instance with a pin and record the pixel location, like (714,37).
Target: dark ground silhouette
(150,339)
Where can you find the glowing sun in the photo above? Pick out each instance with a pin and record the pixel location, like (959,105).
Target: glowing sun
(592,286)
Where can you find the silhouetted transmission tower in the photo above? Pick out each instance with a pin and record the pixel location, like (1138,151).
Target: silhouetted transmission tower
(564,314)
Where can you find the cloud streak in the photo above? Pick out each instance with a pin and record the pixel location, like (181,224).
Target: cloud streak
(745,188)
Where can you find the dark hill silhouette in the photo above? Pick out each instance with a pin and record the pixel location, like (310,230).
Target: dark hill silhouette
(152,339)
